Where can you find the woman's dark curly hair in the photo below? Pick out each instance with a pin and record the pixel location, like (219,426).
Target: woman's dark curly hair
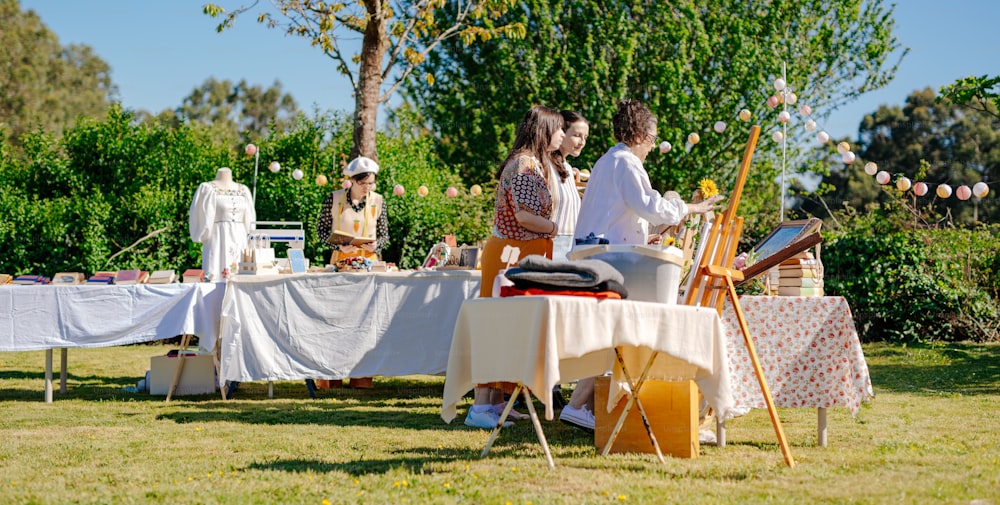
(632,122)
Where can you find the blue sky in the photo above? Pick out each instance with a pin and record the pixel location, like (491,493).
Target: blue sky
(160,50)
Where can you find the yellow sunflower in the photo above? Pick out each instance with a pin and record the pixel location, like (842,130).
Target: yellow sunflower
(707,188)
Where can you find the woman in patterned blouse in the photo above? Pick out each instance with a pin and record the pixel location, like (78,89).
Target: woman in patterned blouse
(522,223)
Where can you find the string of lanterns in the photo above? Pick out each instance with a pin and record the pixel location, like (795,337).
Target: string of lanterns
(322,180)
(784,95)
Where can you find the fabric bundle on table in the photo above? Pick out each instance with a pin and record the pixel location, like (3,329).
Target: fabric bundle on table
(538,275)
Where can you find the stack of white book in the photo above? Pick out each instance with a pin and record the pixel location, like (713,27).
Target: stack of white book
(800,275)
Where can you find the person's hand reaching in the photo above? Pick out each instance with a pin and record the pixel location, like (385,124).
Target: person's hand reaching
(707,205)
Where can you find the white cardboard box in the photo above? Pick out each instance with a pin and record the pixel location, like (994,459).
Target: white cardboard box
(198,377)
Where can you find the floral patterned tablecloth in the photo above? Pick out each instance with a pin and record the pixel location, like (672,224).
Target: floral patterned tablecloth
(808,348)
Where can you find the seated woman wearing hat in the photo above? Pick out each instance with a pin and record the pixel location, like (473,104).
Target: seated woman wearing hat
(357,211)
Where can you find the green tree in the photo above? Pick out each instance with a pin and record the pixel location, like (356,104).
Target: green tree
(978,93)
(395,40)
(46,85)
(693,63)
(239,112)
(953,144)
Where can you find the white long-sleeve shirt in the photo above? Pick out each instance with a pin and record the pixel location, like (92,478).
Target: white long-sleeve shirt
(619,203)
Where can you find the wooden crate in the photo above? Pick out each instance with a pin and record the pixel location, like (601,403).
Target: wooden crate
(672,409)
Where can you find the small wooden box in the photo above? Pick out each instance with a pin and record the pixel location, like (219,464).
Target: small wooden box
(672,409)
(197,377)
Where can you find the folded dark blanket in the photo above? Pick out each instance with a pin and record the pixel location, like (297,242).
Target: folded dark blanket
(584,275)
(614,286)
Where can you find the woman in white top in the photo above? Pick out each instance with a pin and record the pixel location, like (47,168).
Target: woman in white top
(562,183)
(221,218)
(619,205)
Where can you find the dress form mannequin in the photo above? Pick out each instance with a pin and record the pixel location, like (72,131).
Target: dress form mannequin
(221,217)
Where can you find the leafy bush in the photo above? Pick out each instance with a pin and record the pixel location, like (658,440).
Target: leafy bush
(915,286)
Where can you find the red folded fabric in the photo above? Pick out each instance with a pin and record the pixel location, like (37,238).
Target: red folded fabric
(512,291)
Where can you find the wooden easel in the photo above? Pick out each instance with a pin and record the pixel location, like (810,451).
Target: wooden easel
(713,280)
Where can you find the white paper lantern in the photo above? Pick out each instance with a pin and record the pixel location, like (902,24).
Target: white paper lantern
(805,110)
(274,167)
(882,177)
(903,184)
(778,136)
(843,147)
(784,116)
(791,98)
(297,174)
(848,157)
(822,137)
(871,168)
(980,189)
(779,84)
(943,191)
(665,147)
(810,125)
(720,126)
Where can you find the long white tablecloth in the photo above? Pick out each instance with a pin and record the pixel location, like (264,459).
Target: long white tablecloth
(542,341)
(341,325)
(50,317)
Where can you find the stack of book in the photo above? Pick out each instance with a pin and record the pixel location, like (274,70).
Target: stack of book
(800,275)
(30,279)
(68,278)
(102,278)
(162,277)
(128,277)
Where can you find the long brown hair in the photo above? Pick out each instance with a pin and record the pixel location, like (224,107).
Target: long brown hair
(534,134)
(569,117)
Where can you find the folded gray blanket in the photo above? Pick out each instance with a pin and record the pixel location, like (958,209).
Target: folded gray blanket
(584,275)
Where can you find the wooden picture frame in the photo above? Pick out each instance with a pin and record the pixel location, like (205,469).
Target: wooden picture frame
(786,234)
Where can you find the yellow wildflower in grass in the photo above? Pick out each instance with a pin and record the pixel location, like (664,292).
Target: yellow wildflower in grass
(326,502)
(708,188)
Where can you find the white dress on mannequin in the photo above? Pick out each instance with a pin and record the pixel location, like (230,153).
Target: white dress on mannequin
(221,218)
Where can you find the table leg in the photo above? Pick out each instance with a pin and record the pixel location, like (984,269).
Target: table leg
(270,390)
(821,427)
(48,376)
(538,427)
(720,433)
(633,397)
(503,417)
(62,369)
(185,342)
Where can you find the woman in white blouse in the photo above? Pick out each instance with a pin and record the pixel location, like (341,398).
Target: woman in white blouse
(619,205)
(562,183)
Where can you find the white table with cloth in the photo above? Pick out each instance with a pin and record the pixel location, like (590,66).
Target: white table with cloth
(542,341)
(338,325)
(49,317)
(810,352)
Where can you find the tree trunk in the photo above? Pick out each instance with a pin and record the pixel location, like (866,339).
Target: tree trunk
(373,47)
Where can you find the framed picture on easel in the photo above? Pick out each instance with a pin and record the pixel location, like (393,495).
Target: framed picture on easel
(787,240)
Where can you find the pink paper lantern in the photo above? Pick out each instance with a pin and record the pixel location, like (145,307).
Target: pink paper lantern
(251,149)
(346,184)
(398,190)
(920,189)
(451,192)
(963,192)
(772,101)
(882,177)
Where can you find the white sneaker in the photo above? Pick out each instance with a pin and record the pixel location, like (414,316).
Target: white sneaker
(486,420)
(581,417)
(707,437)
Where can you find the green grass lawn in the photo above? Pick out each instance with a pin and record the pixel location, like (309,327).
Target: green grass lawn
(929,436)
